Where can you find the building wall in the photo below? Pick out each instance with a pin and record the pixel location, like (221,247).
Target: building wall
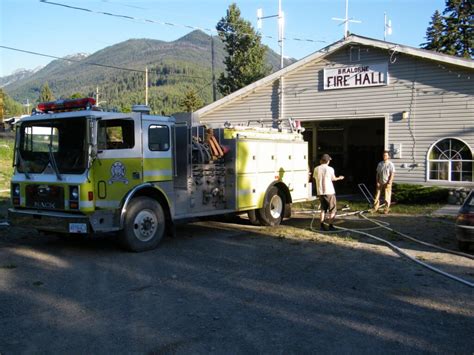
(438,97)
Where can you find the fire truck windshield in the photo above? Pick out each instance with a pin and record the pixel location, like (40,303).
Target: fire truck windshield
(59,143)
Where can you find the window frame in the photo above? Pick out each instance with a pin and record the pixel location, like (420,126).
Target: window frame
(126,121)
(449,162)
(168,135)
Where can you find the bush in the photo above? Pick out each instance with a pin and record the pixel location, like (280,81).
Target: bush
(417,194)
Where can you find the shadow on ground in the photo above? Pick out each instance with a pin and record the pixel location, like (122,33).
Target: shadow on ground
(226,288)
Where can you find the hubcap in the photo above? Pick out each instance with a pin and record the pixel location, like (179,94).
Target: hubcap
(145,225)
(276,206)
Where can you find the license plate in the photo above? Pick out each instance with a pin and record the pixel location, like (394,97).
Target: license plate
(77,228)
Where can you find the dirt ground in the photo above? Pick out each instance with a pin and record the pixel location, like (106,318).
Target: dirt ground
(229,287)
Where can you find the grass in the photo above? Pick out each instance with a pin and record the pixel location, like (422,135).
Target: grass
(6,169)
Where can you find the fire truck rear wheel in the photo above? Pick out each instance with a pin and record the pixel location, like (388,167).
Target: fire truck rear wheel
(271,214)
(253,218)
(144,225)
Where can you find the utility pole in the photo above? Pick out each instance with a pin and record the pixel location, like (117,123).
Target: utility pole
(2,110)
(281,33)
(146,86)
(97,95)
(214,93)
(27,105)
(346,20)
(281,37)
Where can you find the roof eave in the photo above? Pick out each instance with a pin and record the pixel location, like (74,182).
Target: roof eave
(352,39)
(270,78)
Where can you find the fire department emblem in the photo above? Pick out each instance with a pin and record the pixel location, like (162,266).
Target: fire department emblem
(117,171)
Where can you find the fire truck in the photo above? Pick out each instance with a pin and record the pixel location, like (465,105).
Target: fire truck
(81,170)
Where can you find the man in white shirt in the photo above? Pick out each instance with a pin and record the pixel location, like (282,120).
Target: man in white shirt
(384,179)
(324,176)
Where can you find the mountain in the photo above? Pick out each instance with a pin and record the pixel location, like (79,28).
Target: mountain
(17,75)
(174,68)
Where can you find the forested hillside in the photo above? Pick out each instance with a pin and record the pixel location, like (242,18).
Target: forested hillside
(174,68)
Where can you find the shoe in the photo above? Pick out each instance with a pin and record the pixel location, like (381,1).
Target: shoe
(386,211)
(331,228)
(323,228)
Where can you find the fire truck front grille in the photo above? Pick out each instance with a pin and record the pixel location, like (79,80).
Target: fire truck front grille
(47,197)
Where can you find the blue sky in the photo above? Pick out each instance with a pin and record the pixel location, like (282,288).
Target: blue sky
(36,26)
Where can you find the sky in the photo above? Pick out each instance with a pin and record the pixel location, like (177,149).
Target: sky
(37,26)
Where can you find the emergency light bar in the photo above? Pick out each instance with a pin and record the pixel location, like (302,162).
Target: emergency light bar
(67,105)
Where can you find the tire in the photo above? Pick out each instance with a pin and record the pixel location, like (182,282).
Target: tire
(273,210)
(252,214)
(144,225)
(463,246)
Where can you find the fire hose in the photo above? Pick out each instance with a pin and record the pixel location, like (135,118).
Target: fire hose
(385,225)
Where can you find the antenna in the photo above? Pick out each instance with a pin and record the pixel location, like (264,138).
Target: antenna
(281,27)
(387,28)
(346,20)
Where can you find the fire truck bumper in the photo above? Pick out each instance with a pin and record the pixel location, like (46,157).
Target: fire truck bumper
(59,222)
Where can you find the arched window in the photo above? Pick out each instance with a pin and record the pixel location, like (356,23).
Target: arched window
(450,159)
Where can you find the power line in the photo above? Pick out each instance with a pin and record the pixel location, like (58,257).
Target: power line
(155,71)
(72,60)
(127,17)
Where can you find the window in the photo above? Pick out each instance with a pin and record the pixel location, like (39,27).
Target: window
(450,160)
(38,139)
(116,134)
(158,138)
(66,139)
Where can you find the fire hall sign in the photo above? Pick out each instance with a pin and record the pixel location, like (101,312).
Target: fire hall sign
(356,76)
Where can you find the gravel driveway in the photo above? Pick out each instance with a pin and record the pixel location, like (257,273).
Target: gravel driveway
(234,288)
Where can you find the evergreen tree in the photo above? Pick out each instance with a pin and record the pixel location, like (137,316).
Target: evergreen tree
(77,95)
(434,33)
(459,32)
(191,101)
(245,60)
(452,33)
(45,93)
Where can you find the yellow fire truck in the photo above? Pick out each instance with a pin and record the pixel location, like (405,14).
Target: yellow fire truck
(81,170)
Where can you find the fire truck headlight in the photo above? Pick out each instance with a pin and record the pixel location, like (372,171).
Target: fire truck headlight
(74,191)
(16,190)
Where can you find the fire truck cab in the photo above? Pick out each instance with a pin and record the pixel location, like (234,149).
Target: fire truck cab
(80,170)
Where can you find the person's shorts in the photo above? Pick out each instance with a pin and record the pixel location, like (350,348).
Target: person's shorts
(328,203)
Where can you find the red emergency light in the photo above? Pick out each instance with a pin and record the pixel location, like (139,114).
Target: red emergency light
(67,105)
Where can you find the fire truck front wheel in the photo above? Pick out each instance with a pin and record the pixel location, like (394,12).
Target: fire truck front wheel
(271,214)
(144,225)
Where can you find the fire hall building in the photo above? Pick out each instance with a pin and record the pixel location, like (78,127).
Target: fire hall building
(360,96)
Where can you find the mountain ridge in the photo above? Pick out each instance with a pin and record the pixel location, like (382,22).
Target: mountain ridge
(174,68)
